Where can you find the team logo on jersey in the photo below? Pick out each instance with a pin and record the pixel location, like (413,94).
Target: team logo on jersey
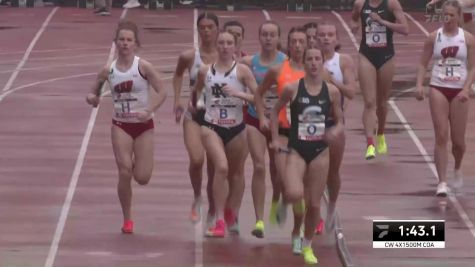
(450,51)
(217,90)
(124,87)
(304,100)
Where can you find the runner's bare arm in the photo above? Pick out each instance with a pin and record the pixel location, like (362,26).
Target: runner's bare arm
(94,95)
(470,39)
(400,26)
(287,95)
(247,78)
(159,93)
(269,80)
(199,84)
(424,61)
(181,67)
(348,86)
(355,15)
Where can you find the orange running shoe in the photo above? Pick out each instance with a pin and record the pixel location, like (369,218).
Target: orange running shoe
(128,227)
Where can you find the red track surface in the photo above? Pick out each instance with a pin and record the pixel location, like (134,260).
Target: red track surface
(43,126)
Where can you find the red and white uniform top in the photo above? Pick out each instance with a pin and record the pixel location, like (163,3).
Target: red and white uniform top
(129,91)
(450,60)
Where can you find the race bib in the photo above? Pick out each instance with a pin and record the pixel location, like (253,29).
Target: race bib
(450,70)
(225,112)
(123,106)
(311,128)
(376,35)
(270,99)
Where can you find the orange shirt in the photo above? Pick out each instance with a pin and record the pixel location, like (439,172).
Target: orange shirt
(286,75)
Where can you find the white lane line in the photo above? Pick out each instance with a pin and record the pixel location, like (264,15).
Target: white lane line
(418,24)
(75,176)
(28,50)
(5,94)
(266,14)
(460,210)
(199,224)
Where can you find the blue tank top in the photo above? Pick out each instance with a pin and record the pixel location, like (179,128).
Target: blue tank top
(259,72)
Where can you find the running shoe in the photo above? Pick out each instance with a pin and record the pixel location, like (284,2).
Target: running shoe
(131,4)
(99,10)
(381,146)
(297,245)
(370,152)
(195,214)
(218,230)
(231,221)
(210,220)
(128,227)
(308,256)
(273,212)
(441,189)
(458,180)
(105,13)
(319,227)
(258,229)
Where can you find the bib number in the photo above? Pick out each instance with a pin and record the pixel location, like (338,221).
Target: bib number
(376,36)
(311,131)
(269,102)
(450,70)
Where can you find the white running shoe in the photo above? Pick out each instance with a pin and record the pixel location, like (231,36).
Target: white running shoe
(131,4)
(441,189)
(296,245)
(458,180)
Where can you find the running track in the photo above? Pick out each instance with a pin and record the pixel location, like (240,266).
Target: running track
(57,173)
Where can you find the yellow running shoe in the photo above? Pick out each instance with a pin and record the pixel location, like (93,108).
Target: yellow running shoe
(258,229)
(381,144)
(308,256)
(370,152)
(273,212)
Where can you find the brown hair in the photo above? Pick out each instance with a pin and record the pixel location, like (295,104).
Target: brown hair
(326,23)
(207,15)
(130,26)
(271,22)
(294,30)
(453,3)
(234,23)
(224,31)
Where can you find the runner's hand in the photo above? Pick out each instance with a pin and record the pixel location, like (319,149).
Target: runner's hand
(143,115)
(420,93)
(374,16)
(354,26)
(264,125)
(463,95)
(228,90)
(178,110)
(92,99)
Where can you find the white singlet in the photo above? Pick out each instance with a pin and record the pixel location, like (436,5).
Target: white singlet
(333,66)
(450,60)
(221,109)
(129,91)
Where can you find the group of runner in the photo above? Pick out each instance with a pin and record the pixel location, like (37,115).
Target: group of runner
(289,103)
